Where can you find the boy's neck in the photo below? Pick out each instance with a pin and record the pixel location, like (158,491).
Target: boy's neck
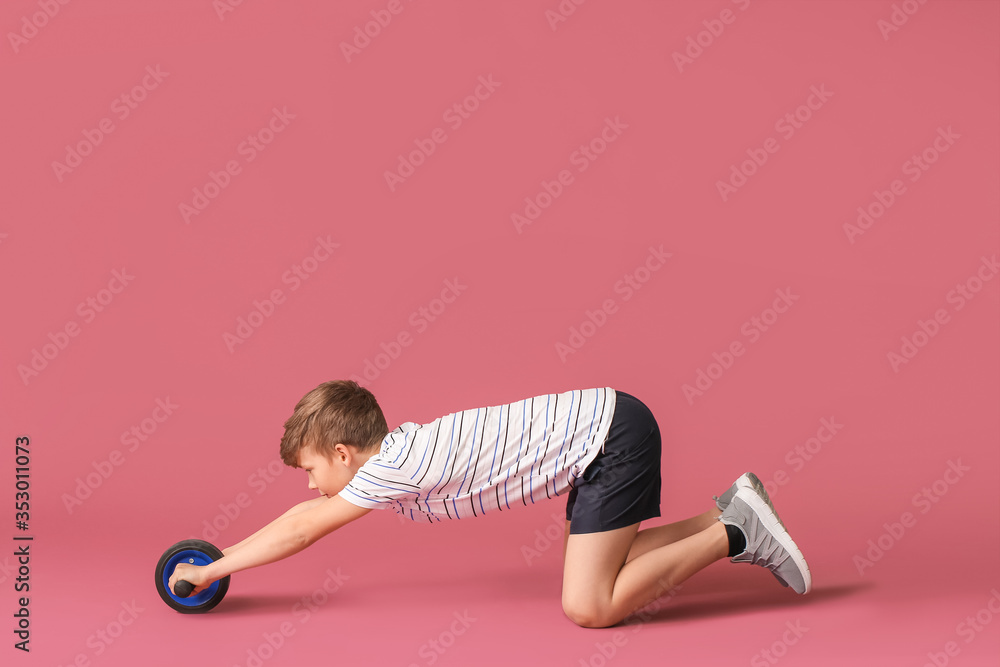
(360,458)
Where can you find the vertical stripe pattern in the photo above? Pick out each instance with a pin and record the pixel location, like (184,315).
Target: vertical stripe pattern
(486,459)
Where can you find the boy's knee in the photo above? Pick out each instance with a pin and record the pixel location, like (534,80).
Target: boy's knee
(585,613)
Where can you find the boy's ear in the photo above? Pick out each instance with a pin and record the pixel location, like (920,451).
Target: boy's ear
(341,450)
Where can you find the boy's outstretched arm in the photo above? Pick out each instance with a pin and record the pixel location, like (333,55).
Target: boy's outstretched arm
(281,538)
(301,507)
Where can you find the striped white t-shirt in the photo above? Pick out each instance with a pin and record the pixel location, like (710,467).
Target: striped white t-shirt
(471,462)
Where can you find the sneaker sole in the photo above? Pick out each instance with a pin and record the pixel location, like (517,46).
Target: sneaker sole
(762,507)
(750,481)
(747,480)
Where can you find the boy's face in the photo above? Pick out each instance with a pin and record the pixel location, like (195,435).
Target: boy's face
(328,476)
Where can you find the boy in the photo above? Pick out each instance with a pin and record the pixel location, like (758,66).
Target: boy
(600,445)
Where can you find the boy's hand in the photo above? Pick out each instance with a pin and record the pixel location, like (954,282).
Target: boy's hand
(193,574)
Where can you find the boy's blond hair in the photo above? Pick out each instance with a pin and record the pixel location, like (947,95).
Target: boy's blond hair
(339,411)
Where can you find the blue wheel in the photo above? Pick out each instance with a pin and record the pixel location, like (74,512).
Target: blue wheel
(195,552)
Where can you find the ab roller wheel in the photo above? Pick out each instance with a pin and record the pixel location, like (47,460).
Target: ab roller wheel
(194,552)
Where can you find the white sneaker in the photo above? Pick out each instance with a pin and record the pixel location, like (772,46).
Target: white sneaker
(768,542)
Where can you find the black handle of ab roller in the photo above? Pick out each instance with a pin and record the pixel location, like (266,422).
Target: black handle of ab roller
(182,588)
(193,552)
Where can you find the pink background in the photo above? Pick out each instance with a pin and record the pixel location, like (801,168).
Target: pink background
(162,336)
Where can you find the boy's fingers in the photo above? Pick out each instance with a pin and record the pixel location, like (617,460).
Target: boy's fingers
(175,577)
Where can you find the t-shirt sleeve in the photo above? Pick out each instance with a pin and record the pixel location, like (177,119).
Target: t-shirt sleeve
(380,483)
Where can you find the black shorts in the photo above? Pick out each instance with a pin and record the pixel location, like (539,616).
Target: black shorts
(622,485)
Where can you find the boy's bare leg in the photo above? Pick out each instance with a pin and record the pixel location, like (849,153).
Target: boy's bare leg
(651,538)
(600,588)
